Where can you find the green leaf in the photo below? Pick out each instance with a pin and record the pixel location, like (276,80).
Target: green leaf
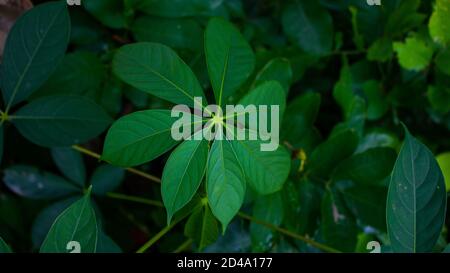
(368,19)
(202,227)
(109,12)
(137,97)
(76,223)
(106,245)
(358,39)
(65,80)
(404,18)
(381,50)
(85,29)
(196,202)
(439,98)
(4,248)
(368,204)
(177,33)
(109,95)
(363,240)
(291,206)
(265,171)
(267,94)
(443,61)
(139,137)
(181,8)
(343,90)
(106,178)
(60,120)
(44,220)
(378,138)
(338,226)
(70,163)
(309,26)
(301,113)
(336,148)
(235,240)
(278,69)
(414,54)
(12,214)
(229,57)
(35,46)
(444,163)
(308,213)
(438,26)
(367,168)
(355,117)
(183,174)
(29,182)
(157,69)
(300,61)
(339,40)
(416,200)
(268,208)
(447,249)
(377,104)
(225,182)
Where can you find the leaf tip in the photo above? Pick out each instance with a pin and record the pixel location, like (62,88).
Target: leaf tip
(88,190)
(408,135)
(224,228)
(169,218)
(405,128)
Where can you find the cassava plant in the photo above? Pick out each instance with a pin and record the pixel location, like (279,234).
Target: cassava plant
(229,165)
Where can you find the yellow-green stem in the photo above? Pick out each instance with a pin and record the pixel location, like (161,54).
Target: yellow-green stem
(131,170)
(3,117)
(158,236)
(289,233)
(183,246)
(135,199)
(169,227)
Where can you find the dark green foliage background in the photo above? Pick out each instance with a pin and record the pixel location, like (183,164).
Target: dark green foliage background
(352,74)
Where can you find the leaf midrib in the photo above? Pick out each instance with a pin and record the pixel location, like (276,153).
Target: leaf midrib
(33,55)
(223,167)
(225,71)
(164,78)
(184,172)
(249,150)
(77,223)
(414,197)
(148,136)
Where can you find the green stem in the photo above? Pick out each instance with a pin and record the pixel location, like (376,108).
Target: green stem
(135,199)
(289,233)
(169,227)
(158,236)
(144,174)
(130,217)
(131,170)
(183,246)
(85,151)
